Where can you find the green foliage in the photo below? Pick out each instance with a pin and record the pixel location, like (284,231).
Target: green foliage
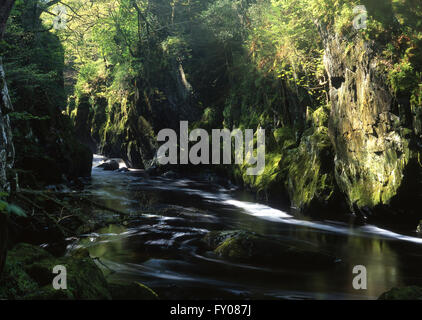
(11,209)
(225,20)
(33,58)
(26,116)
(175,47)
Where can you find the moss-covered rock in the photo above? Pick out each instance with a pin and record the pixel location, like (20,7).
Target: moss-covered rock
(29,275)
(301,167)
(405,293)
(310,178)
(248,247)
(368,135)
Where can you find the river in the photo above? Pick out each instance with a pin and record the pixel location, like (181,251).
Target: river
(159,247)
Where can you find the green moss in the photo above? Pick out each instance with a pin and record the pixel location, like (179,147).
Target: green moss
(268,179)
(232,249)
(244,246)
(285,137)
(309,167)
(15,282)
(406,293)
(28,275)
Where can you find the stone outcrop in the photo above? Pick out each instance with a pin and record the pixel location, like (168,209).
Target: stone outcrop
(7,151)
(248,247)
(124,125)
(370,143)
(7,154)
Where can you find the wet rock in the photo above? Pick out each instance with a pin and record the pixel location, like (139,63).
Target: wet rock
(123,170)
(215,178)
(28,275)
(109,165)
(170,175)
(82,123)
(406,293)
(248,247)
(152,171)
(81,164)
(419,229)
(7,148)
(372,149)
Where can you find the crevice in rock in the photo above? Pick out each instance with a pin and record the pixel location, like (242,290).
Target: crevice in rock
(336,82)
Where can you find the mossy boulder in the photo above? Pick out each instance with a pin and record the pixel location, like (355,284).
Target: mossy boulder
(405,293)
(249,247)
(28,275)
(110,165)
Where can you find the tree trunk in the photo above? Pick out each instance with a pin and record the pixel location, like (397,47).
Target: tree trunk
(7,152)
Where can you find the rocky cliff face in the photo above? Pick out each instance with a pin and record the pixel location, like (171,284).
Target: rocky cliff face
(374,155)
(124,124)
(7,152)
(361,152)
(7,155)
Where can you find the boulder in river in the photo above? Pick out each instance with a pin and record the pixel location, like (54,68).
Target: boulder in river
(110,165)
(406,293)
(249,247)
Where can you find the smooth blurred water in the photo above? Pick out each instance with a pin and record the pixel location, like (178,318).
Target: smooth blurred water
(160,247)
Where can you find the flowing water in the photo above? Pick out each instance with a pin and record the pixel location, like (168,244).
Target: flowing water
(160,246)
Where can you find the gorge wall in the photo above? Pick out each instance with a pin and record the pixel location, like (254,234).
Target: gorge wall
(124,125)
(373,133)
(341,107)
(6,142)
(47,151)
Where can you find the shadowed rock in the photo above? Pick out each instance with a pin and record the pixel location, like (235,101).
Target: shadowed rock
(110,165)
(249,247)
(406,293)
